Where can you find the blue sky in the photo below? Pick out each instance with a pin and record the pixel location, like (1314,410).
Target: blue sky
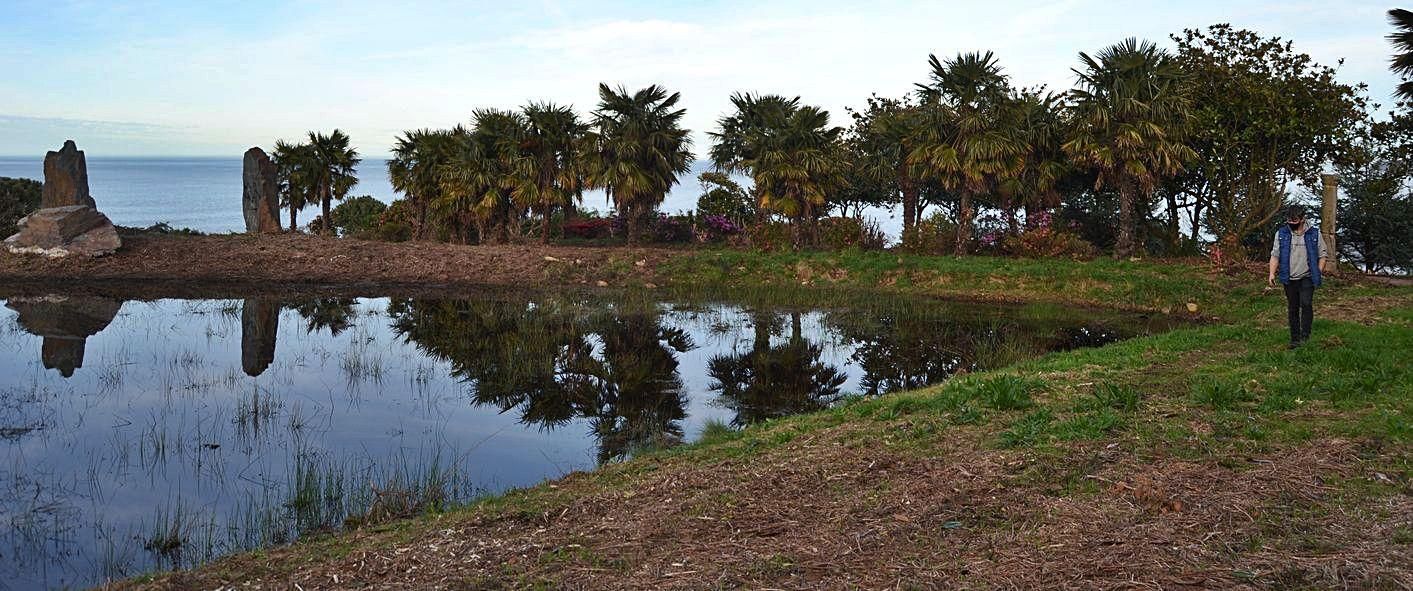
(213,78)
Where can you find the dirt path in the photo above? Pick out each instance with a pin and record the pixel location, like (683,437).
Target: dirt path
(312,260)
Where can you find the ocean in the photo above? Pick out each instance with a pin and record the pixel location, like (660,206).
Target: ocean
(204,193)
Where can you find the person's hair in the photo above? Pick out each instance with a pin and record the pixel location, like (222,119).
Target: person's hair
(1294,212)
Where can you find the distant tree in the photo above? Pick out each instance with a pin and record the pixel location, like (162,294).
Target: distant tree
(1263,116)
(1130,113)
(477,182)
(877,147)
(1376,217)
(1376,213)
(637,150)
(967,144)
(333,172)
(417,156)
(18,198)
(1038,118)
(294,170)
(791,152)
(1402,39)
(546,170)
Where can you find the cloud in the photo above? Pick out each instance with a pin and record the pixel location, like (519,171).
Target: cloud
(246,77)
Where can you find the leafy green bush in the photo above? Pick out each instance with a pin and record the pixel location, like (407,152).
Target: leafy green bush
(18,197)
(394,224)
(722,196)
(357,215)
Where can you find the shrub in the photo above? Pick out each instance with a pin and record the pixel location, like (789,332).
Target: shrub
(722,196)
(589,228)
(839,233)
(394,224)
(716,228)
(1044,240)
(666,229)
(770,236)
(935,235)
(357,215)
(18,198)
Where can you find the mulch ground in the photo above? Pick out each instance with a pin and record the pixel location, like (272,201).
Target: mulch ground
(862,517)
(300,260)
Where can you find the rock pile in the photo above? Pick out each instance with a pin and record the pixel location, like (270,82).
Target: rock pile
(67,221)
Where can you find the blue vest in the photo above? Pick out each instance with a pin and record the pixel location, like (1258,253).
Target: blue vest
(1312,253)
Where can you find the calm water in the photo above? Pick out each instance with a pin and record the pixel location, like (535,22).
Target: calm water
(204,193)
(144,434)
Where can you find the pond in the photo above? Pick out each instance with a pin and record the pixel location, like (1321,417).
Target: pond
(137,435)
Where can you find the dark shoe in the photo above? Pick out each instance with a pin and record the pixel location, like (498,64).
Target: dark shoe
(1294,344)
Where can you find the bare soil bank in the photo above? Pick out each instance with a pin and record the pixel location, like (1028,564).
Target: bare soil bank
(286,261)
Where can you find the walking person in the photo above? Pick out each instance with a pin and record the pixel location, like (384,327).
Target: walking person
(1297,244)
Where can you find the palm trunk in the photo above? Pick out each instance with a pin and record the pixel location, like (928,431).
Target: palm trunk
(325,198)
(910,196)
(421,219)
(963,223)
(1174,234)
(545,228)
(293,222)
(1123,247)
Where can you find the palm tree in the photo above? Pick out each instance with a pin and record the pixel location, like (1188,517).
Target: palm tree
(966,144)
(1402,39)
(412,171)
(333,170)
(477,181)
(734,144)
(547,169)
(293,163)
(639,149)
(792,153)
(1039,119)
(1130,114)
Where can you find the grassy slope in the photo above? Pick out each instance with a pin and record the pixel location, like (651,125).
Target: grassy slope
(1206,456)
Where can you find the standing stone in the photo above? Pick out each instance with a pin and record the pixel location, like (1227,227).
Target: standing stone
(66,178)
(260,198)
(68,221)
(1328,212)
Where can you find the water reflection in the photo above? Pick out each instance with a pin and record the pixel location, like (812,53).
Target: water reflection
(259,324)
(190,434)
(65,323)
(553,363)
(769,381)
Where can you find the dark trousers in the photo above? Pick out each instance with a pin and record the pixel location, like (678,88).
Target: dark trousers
(1299,304)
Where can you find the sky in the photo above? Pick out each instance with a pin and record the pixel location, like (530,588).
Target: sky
(214,78)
